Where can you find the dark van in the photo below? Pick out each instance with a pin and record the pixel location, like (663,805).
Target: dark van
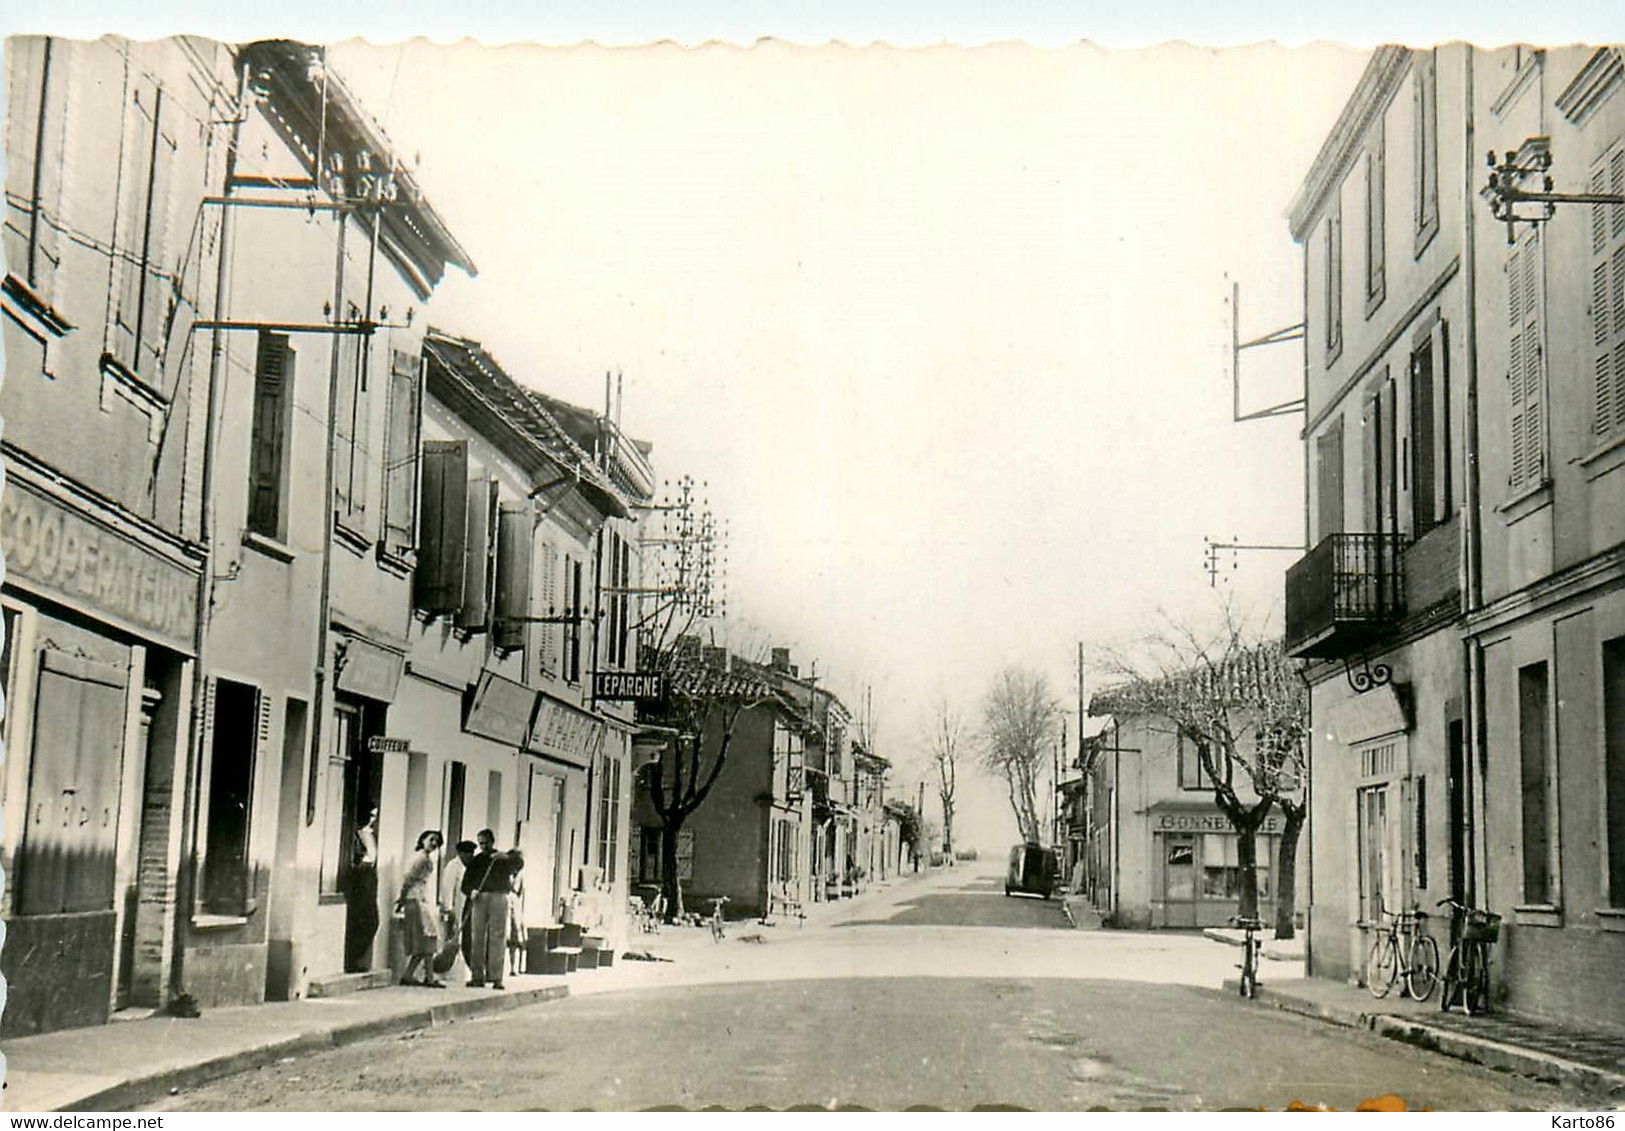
(1033,869)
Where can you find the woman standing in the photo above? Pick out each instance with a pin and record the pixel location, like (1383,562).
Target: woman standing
(421,910)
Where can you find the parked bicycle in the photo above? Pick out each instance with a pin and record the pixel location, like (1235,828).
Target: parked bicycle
(1467,971)
(1252,950)
(717,921)
(1402,950)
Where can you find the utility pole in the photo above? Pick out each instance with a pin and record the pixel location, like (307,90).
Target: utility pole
(921,817)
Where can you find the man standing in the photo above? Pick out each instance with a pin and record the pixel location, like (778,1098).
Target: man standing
(489,882)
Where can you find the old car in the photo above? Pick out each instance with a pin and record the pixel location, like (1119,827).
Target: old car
(1033,869)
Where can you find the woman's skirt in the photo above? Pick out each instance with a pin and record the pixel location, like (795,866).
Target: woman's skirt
(421,928)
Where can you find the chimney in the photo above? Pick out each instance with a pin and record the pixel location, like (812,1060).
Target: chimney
(781,660)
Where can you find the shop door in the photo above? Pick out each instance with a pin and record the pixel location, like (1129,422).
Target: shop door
(539,841)
(1179,881)
(58,957)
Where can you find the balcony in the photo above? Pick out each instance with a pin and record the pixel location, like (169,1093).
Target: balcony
(1344,594)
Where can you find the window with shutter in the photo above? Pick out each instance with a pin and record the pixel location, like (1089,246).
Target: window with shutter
(1329,479)
(546,636)
(1376,225)
(36,150)
(241,734)
(572,627)
(437,583)
(479,567)
(1526,432)
(515,532)
(1425,131)
(141,290)
(268,443)
(1333,256)
(1608,298)
(622,658)
(401,452)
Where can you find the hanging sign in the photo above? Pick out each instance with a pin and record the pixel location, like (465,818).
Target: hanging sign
(635,687)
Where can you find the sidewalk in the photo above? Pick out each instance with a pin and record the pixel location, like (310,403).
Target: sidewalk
(114,1066)
(1278,950)
(1591,1061)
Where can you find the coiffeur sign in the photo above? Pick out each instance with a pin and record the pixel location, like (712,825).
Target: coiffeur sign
(63,555)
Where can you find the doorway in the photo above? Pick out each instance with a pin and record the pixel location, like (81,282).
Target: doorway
(1179,881)
(541,813)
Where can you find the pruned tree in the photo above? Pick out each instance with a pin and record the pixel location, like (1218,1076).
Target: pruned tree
(708,687)
(709,692)
(947,731)
(1020,717)
(1235,695)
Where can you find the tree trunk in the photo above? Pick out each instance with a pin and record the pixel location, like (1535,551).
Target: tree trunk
(948,827)
(1286,870)
(670,885)
(1247,857)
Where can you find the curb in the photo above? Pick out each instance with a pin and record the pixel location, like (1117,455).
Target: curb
(1276,956)
(1460,1046)
(126,1094)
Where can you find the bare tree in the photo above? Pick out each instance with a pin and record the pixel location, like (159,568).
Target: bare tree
(1236,697)
(947,730)
(1019,720)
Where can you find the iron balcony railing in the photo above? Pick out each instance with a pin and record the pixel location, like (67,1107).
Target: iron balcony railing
(1343,593)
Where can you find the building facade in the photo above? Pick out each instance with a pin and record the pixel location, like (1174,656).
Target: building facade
(1476,572)
(1160,853)
(113,149)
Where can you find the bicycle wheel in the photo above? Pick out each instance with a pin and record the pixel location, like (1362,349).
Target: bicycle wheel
(1451,979)
(1476,980)
(1382,965)
(1424,968)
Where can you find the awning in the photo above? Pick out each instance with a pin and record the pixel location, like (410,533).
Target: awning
(1366,716)
(500,709)
(367,670)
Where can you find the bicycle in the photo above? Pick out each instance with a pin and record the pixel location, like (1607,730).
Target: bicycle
(716,920)
(1402,950)
(1467,971)
(1252,949)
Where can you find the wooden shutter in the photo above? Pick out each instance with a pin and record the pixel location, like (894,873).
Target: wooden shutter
(1376,223)
(401,452)
(1608,298)
(346,356)
(1526,423)
(361,462)
(625,582)
(156,288)
(438,581)
(475,611)
(1388,438)
(1371,463)
(547,635)
(137,164)
(1329,478)
(273,382)
(515,531)
(1424,480)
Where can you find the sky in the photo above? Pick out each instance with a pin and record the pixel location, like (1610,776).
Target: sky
(944,330)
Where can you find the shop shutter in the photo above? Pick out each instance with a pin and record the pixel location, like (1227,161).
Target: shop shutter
(66,858)
(438,581)
(475,611)
(515,530)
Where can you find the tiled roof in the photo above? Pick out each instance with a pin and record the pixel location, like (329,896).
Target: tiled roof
(504,397)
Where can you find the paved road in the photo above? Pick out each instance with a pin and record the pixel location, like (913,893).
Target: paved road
(890,1006)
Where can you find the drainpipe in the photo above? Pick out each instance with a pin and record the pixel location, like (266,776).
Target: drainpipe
(185,885)
(1472,508)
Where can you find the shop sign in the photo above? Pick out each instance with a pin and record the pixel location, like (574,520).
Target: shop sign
(378,744)
(500,710)
(636,687)
(61,554)
(566,732)
(367,670)
(1207,823)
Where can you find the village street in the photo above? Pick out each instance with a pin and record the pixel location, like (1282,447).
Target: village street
(965,998)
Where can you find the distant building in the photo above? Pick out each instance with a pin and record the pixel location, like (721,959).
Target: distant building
(1161,853)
